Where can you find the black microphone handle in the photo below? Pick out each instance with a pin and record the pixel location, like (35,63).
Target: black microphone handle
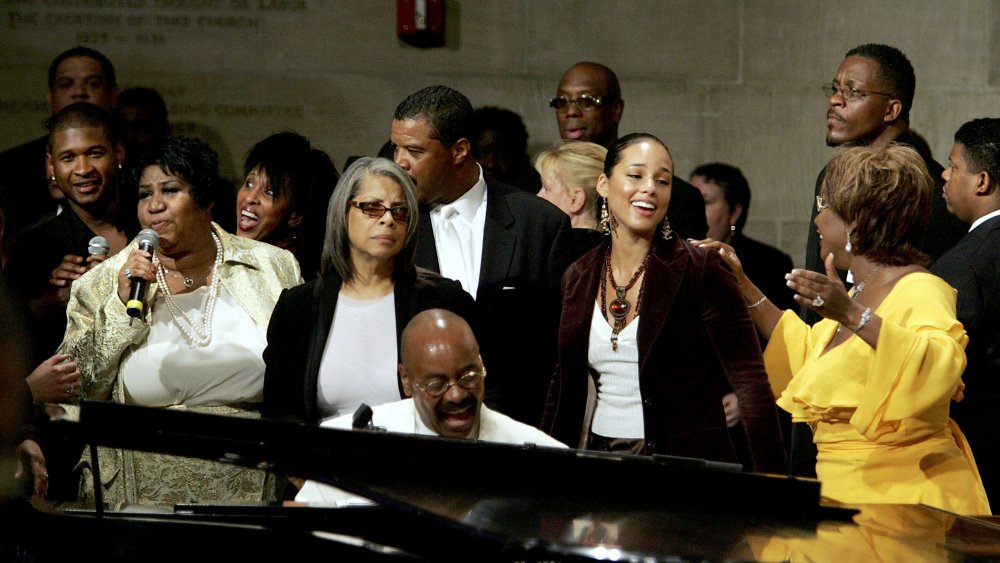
(137,294)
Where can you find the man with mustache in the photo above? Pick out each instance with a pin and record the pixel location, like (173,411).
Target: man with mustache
(869,103)
(589,107)
(443,375)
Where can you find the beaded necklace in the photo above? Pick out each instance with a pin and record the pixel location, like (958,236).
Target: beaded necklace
(620,306)
(199,336)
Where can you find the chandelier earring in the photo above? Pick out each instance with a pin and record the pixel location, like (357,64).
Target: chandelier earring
(605,224)
(665,229)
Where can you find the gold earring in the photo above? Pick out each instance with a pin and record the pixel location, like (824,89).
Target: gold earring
(665,229)
(605,224)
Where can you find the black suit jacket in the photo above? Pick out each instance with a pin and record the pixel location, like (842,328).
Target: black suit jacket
(973,268)
(300,326)
(26,184)
(696,341)
(517,302)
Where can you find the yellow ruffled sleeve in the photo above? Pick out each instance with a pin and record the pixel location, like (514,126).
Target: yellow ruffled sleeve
(918,362)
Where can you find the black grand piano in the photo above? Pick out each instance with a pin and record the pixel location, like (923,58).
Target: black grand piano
(455,500)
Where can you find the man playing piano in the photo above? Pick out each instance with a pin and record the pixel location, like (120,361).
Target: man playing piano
(443,374)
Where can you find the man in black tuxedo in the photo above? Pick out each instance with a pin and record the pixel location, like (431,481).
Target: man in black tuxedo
(589,107)
(502,243)
(973,267)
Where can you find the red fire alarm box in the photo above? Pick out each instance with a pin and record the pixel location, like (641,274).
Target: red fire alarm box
(420,22)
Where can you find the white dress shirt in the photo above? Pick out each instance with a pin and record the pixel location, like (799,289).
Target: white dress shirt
(458,235)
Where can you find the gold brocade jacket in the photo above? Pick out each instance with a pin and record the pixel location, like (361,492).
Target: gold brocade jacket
(99,332)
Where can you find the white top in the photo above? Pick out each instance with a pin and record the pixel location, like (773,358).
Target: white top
(401,417)
(984,219)
(460,253)
(166,369)
(618,413)
(359,363)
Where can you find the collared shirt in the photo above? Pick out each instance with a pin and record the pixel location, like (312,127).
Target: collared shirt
(469,220)
(984,219)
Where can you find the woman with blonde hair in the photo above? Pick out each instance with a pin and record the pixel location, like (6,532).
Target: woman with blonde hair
(569,181)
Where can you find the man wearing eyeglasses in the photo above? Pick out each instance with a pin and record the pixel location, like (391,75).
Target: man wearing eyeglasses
(444,377)
(589,107)
(868,103)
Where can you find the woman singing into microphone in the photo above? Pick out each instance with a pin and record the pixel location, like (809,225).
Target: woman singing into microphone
(197,344)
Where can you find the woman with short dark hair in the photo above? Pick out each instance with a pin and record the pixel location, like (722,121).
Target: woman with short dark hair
(284,197)
(198,341)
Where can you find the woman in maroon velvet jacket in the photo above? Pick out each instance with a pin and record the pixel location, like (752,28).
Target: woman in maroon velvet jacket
(659,382)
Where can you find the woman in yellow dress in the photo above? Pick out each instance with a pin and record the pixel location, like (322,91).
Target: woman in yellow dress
(874,378)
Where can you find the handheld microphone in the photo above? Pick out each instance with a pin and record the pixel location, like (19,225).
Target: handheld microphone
(98,246)
(148,239)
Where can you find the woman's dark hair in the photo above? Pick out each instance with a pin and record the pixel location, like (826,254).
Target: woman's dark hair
(188,158)
(733,184)
(306,177)
(615,152)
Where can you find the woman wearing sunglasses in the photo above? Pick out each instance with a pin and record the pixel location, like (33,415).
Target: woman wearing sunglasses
(333,343)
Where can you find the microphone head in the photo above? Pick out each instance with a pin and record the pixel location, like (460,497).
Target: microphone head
(98,245)
(148,237)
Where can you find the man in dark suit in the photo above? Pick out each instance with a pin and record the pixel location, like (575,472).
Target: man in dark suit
(503,244)
(80,74)
(973,267)
(589,107)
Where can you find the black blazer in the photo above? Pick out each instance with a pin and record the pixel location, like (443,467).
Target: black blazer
(300,326)
(696,340)
(517,303)
(973,268)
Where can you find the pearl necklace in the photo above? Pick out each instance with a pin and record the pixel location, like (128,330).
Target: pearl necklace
(203,335)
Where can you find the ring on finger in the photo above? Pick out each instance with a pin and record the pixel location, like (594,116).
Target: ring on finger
(128,273)
(818,301)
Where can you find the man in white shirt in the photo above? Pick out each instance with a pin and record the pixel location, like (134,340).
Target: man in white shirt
(443,375)
(972,194)
(504,245)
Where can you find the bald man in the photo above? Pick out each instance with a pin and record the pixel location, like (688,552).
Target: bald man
(443,375)
(589,107)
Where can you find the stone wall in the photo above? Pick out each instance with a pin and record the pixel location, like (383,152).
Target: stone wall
(719,80)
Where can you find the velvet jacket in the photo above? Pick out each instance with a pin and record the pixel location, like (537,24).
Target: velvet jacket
(695,335)
(300,326)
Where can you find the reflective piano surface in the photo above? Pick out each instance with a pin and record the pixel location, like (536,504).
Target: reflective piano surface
(453,500)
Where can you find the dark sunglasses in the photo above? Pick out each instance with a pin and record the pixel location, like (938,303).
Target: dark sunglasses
(376,210)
